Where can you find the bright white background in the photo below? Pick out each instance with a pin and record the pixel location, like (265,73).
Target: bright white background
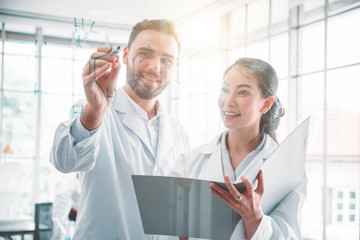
(313,46)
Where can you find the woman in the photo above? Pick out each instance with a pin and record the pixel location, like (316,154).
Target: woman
(251,111)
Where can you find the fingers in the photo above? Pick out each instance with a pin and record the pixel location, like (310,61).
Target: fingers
(260,187)
(96,64)
(115,70)
(248,185)
(103,56)
(96,74)
(104,49)
(224,195)
(234,192)
(219,192)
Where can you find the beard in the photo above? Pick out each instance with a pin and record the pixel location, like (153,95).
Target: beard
(143,90)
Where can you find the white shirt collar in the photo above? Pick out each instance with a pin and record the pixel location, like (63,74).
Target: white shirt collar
(141,112)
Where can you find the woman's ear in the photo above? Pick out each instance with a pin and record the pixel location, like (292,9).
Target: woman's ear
(267,104)
(125,55)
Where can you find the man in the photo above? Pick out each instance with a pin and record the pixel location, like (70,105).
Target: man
(121,132)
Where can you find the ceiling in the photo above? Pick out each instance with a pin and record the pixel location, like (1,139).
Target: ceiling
(124,12)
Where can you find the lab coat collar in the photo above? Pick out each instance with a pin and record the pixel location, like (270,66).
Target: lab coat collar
(213,148)
(256,163)
(165,138)
(132,123)
(215,166)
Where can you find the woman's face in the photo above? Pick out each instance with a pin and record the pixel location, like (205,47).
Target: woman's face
(240,102)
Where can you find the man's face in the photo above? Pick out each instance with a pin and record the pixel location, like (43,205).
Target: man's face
(150,63)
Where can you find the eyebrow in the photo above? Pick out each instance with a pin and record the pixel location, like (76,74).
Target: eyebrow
(240,85)
(150,49)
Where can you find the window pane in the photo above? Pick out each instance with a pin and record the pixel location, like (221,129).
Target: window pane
(342,227)
(279,52)
(313,10)
(282,93)
(182,85)
(258,15)
(23,47)
(198,77)
(214,121)
(181,112)
(343,42)
(198,119)
(352,194)
(44,183)
(279,11)
(19,119)
(55,109)
(339,194)
(343,111)
(313,42)
(336,6)
(311,102)
(78,82)
(184,33)
(214,79)
(312,212)
(57,75)
(238,20)
(206,32)
(259,49)
(235,54)
(57,51)
(82,52)
(20,73)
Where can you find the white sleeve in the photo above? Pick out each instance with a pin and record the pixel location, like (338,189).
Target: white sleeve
(74,148)
(282,222)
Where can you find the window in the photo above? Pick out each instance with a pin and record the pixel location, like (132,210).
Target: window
(339,206)
(352,218)
(35,98)
(352,206)
(352,195)
(339,218)
(340,195)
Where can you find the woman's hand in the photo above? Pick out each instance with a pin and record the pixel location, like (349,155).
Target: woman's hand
(247,204)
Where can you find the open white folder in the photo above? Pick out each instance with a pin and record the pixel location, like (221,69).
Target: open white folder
(186,207)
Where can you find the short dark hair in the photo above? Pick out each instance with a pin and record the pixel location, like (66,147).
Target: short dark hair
(268,83)
(160,25)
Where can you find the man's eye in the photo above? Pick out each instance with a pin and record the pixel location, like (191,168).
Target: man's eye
(167,61)
(146,54)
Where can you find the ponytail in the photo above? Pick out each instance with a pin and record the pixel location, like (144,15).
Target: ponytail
(270,120)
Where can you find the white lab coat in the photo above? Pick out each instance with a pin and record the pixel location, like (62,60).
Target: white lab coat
(106,160)
(205,163)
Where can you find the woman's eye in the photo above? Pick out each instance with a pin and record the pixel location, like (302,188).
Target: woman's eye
(243,92)
(224,90)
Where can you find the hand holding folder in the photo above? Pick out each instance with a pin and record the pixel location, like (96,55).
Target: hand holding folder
(185,207)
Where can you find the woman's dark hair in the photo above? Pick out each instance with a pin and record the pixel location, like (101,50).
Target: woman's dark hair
(160,25)
(268,84)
